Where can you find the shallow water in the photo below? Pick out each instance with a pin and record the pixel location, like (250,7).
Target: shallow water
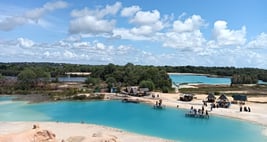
(200,79)
(140,118)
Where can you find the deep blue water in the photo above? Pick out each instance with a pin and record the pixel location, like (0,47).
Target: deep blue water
(140,118)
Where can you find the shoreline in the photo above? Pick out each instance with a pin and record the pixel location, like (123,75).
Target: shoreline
(74,132)
(199,74)
(171,100)
(258,115)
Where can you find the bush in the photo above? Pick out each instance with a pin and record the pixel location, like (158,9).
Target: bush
(147,84)
(165,90)
(80,97)
(216,93)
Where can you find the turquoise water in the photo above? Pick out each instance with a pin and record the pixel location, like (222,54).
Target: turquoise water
(140,118)
(72,79)
(202,79)
(178,79)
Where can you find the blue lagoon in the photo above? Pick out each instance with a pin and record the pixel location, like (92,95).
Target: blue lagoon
(139,118)
(199,79)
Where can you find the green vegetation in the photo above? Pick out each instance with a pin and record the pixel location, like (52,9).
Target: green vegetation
(244,79)
(35,77)
(91,81)
(132,75)
(147,84)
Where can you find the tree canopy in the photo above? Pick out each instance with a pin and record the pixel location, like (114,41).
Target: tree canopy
(131,74)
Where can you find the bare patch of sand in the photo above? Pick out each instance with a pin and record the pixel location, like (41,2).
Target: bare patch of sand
(72,132)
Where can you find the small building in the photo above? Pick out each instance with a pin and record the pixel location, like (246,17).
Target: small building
(186,97)
(223,101)
(136,91)
(132,90)
(210,98)
(113,90)
(143,91)
(238,98)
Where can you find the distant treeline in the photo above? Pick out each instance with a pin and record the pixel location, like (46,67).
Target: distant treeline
(114,75)
(133,74)
(239,75)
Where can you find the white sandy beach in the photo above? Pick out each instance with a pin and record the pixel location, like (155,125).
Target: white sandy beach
(69,132)
(258,112)
(257,115)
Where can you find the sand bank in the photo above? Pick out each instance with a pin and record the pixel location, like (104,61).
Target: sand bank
(70,132)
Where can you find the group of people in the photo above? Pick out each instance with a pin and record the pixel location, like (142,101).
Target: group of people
(199,111)
(158,103)
(246,109)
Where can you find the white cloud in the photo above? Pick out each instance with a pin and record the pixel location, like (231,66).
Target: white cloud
(128,34)
(191,24)
(47,54)
(73,38)
(81,44)
(68,54)
(88,21)
(142,30)
(23,42)
(11,22)
(130,11)
(147,30)
(146,17)
(98,13)
(89,24)
(185,41)
(259,42)
(225,36)
(147,24)
(186,35)
(100,46)
(101,53)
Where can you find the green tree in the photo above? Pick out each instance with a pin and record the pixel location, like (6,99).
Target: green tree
(27,79)
(42,75)
(244,79)
(111,81)
(147,84)
(92,81)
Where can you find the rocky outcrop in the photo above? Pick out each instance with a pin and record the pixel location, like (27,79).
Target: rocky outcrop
(34,135)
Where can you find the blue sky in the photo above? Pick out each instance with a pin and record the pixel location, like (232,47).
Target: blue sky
(144,32)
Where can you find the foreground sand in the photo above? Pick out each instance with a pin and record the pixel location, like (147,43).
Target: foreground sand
(70,132)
